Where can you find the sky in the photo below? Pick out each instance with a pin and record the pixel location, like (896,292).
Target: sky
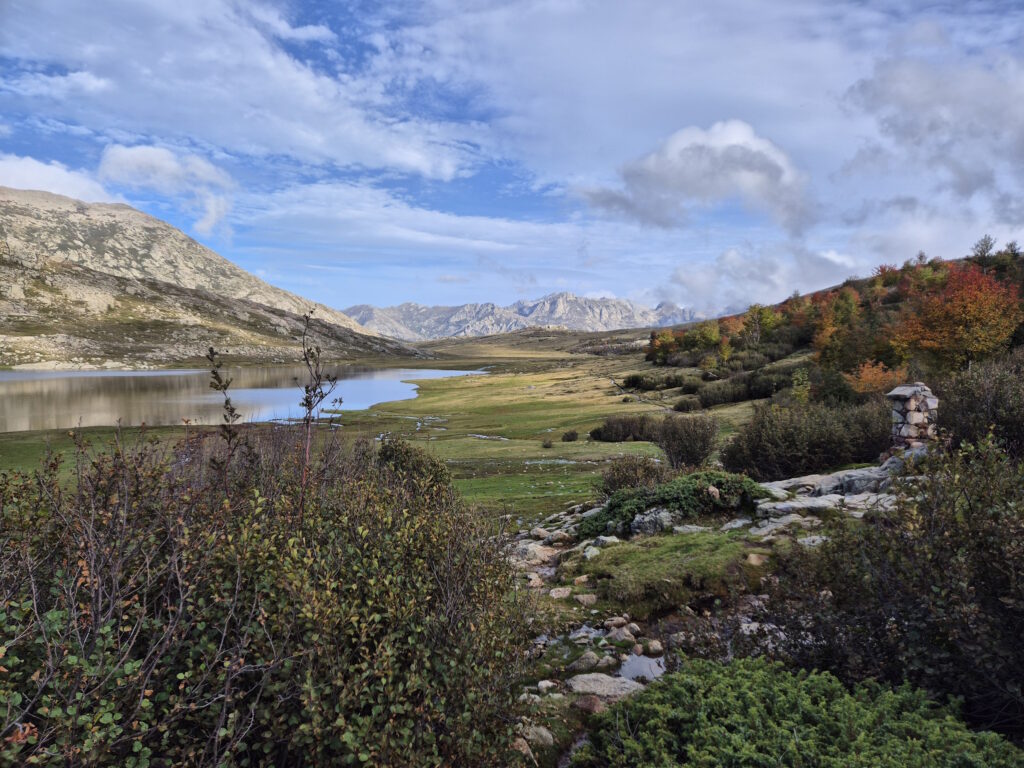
(709,154)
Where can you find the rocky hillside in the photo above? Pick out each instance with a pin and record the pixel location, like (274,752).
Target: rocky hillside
(415,322)
(91,284)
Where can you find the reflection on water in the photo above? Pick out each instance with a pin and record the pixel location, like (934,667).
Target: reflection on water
(67,399)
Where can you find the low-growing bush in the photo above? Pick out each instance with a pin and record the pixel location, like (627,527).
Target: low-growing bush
(687,404)
(781,442)
(570,436)
(720,392)
(546,443)
(988,396)
(633,472)
(932,592)
(621,428)
(688,441)
(752,712)
(688,496)
(236,604)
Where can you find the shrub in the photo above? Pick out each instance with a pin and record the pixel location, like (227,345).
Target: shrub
(686,496)
(719,392)
(987,397)
(752,712)
(631,426)
(782,442)
(546,443)
(932,592)
(688,440)
(166,609)
(633,472)
(570,436)
(687,403)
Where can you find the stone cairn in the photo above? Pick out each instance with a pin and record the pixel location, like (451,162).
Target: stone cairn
(914,409)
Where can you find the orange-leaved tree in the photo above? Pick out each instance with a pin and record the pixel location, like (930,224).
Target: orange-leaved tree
(970,318)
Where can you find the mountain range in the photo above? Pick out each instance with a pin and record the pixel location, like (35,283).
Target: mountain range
(415,322)
(105,284)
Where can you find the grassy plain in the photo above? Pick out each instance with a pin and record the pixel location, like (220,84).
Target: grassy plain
(490,429)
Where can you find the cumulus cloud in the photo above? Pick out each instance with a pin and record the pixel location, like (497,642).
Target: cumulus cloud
(29,173)
(726,162)
(961,114)
(161,170)
(740,276)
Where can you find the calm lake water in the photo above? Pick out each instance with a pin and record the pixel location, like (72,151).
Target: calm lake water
(68,399)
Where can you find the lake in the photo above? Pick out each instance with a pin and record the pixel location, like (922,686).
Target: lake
(67,399)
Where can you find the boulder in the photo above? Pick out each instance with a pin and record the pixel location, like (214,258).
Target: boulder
(621,635)
(590,704)
(591,552)
(606,541)
(539,736)
(584,663)
(560,593)
(603,686)
(586,600)
(651,522)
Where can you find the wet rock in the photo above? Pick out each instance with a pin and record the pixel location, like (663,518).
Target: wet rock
(603,686)
(621,635)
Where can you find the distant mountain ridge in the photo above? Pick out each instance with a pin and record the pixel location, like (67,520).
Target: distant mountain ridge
(86,285)
(416,322)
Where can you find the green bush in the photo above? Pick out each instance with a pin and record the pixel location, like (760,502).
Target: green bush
(570,436)
(932,592)
(989,396)
(253,610)
(687,404)
(633,472)
(720,392)
(754,713)
(781,442)
(621,428)
(688,441)
(687,495)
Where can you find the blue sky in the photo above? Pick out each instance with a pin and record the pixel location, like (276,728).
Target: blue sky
(712,154)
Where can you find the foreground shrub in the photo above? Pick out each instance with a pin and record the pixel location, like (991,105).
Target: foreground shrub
(688,440)
(754,713)
(252,610)
(932,592)
(989,396)
(687,497)
(633,472)
(781,442)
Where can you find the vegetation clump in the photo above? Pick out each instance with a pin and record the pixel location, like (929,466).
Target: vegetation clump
(752,712)
(633,472)
(781,442)
(988,397)
(168,609)
(688,441)
(687,497)
(932,592)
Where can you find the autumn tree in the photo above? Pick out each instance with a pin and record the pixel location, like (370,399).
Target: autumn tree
(972,317)
(758,321)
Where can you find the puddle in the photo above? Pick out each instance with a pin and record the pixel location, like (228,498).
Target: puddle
(642,668)
(586,632)
(488,437)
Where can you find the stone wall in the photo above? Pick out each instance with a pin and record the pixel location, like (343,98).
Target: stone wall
(914,411)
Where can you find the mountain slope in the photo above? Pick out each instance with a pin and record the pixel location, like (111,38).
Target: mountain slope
(88,285)
(415,322)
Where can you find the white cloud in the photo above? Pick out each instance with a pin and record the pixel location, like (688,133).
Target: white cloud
(161,170)
(214,72)
(29,173)
(694,166)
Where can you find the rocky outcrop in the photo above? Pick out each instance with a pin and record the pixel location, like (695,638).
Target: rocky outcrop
(415,322)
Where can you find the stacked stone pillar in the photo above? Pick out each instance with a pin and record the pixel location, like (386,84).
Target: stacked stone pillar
(914,412)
